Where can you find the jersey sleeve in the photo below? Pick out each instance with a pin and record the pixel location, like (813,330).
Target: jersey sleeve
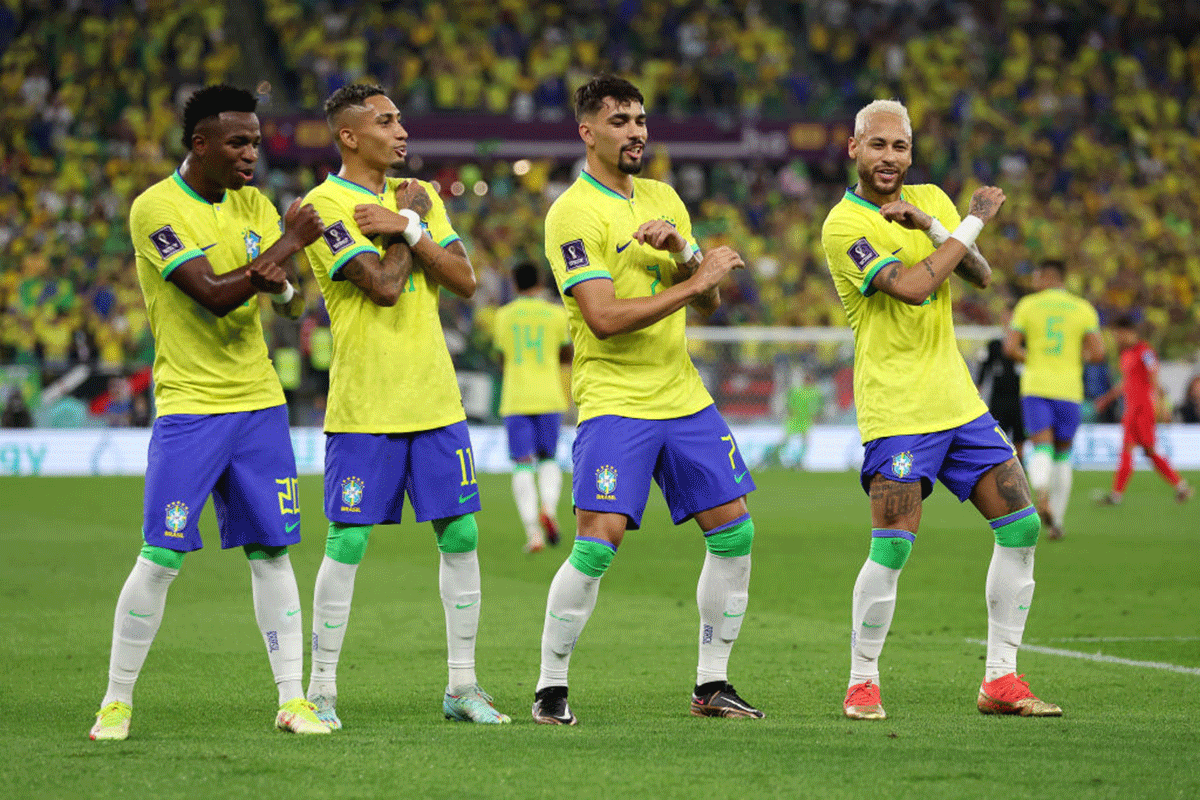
(437,221)
(944,209)
(1020,317)
(499,323)
(853,256)
(1091,319)
(341,240)
(160,236)
(575,247)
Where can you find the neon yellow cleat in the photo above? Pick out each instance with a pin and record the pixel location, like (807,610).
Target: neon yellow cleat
(863,702)
(299,716)
(1009,694)
(112,722)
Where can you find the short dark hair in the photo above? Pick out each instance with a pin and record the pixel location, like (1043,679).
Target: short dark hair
(525,275)
(352,95)
(1055,264)
(589,98)
(1126,322)
(211,101)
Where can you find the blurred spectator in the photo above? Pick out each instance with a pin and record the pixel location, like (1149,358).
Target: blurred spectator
(1189,410)
(16,413)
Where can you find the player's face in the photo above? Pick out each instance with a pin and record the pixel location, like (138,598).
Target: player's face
(617,132)
(382,140)
(883,155)
(228,148)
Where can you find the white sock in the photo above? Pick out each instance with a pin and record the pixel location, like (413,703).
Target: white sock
(1009,595)
(721,595)
(139,613)
(331,614)
(1039,471)
(277,609)
(570,603)
(458,582)
(550,480)
(871,617)
(1060,489)
(525,493)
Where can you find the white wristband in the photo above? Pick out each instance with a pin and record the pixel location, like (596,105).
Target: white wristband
(286,295)
(684,255)
(937,232)
(412,232)
(967,230)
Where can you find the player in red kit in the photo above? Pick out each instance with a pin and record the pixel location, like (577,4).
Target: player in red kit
(1139,383)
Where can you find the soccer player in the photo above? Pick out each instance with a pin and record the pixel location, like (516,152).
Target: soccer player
(1139,385)
(998,381)
(205,245)
(1052,333)
(622,253)
(394,422)
(532,340)
(890,250)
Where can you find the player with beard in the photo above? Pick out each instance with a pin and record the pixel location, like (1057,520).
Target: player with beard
(394,423)
(891,252)
(622,252)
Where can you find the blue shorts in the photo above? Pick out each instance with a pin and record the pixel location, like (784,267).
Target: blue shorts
(1042,412)
(694,460)
(532,435)
(367,475)
(958,457)
(243,459)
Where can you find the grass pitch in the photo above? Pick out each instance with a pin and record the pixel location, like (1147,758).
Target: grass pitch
(1122,584)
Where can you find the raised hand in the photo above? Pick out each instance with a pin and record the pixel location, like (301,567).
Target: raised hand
(661,235)
(375,220)
(986,202)
(268,276)
(303,223)
(412,195)
(716,265)
(906,215)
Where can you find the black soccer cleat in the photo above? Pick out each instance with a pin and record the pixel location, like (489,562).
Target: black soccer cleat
(720,699)
(550,707)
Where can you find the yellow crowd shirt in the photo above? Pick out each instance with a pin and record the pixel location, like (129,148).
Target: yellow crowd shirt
(390,370)
(646,374)
(529,332)
(909,376)
(1054,323)
(203,364)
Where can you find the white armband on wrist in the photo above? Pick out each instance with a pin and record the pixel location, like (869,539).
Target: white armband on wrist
(412,231)
(968,230)
(937,233)
(684,255)
(286,295)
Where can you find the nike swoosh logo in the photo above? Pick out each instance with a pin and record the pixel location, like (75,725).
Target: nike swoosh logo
(206,249)
(897,250)
(292,527)
(334,627)
(1023,608)
(621,247)
(143,616)
(462,499)
(557,617)
(726,613)
(738,478)
(461,606)
(869,625)
(292,613)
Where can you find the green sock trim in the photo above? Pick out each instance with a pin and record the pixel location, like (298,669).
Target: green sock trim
(732,541)
(521,466)
(258,552)
(170,559)
(457,534)
(1048,449)
(1022,532)
(592,556)
(347,544)
(1063,456)
(891,552)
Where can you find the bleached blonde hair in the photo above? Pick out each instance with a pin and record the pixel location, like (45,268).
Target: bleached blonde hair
(881,107)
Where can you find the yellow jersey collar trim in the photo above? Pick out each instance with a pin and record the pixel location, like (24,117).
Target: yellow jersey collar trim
(854,198)
(586,177)
(182,184)
(357,187)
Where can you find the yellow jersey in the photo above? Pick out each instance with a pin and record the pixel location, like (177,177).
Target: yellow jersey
(390,371)
(1054,323)
(529,332)
(909,376)
(203,364)
(646,374)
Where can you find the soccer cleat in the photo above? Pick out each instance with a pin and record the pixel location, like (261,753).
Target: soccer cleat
(112,722)
(550,707)
(550,526)
(1107,498)
(473,705)
(327,710)
(720,699)
(1009,694)
(1183,492)
(1053,532)
(863,702)
(535,546)
(299,716)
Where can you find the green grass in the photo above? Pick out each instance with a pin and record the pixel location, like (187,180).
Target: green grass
(205,702)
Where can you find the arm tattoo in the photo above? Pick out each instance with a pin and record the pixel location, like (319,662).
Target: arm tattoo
(974,268)
(929,268)
(891,501)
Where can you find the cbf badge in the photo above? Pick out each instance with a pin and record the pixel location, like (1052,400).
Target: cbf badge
(902,464)
(252,240)
(176,521)
(352,493)
(606,482)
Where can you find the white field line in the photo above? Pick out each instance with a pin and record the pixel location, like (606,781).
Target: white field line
(1125,639)
(1100,657)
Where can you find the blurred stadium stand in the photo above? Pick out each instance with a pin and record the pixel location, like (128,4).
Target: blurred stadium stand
(1085,113)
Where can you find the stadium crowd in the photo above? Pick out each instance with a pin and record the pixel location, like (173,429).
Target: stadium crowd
(1085,113)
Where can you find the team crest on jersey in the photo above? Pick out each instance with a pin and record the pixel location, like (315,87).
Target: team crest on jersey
(252,240)
(574,255)
(337,237)
(352,493)
(176,519)
(861,253)
(606,482)
(902,464)
(166,241)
